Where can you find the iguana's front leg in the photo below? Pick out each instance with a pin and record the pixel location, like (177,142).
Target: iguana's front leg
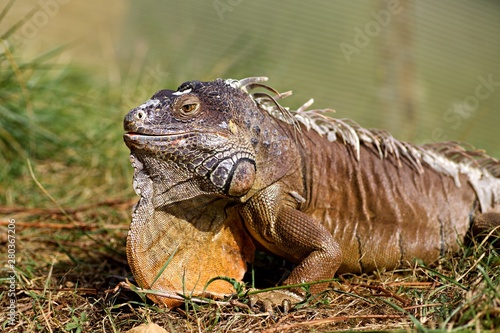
(293,235)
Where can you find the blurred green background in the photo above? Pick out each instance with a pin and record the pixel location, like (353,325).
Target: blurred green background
(425,71)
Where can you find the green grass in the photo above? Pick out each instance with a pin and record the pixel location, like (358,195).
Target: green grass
(67,124)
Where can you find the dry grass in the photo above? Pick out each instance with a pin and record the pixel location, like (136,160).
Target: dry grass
(69,268)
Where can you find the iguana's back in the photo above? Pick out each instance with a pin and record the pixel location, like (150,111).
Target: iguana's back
(384,212)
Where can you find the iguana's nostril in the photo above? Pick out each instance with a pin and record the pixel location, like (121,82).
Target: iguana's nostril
(139,115)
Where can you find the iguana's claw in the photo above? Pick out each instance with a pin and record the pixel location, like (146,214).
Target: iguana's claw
(270,300)
(237,303)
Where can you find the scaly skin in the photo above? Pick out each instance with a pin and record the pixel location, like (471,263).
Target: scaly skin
(219,169)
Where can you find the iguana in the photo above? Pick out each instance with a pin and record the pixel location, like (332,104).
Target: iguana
(221,166)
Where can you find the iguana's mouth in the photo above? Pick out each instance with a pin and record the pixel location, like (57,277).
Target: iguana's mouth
(135,136)
(143,134)
(165,135)
(172,135)
(142,140)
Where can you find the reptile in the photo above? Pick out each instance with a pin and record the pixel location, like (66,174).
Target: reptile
(222,168)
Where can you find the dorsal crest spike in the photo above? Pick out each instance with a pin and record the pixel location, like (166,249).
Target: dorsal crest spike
(244,83)
(450,158)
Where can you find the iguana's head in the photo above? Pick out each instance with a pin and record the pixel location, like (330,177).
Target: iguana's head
(209,131)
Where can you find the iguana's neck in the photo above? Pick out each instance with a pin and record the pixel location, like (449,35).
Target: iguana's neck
(276,150)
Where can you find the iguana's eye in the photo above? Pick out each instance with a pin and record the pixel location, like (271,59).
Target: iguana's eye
(186,107)
(189,108)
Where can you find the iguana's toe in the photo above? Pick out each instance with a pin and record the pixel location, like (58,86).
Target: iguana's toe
(271,300)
